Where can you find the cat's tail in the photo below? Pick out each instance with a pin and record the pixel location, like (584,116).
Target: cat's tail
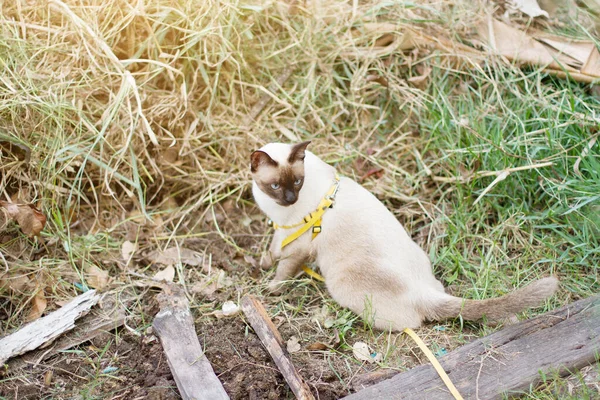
(532,295)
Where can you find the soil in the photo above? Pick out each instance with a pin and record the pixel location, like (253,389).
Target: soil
(142,372)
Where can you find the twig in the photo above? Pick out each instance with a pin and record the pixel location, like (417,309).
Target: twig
(268,334)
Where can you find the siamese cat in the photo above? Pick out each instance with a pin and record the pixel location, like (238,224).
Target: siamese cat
(369,262)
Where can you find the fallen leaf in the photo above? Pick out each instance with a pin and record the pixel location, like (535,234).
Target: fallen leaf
(529,7)
(209,286)
(48,377)
(176,255)
(15,283)
(362,352)
(167,274)
(127,250)
(38,306)
(317,346)
(293,346)
(518,46)
(420,80)
(30,219)
(230,308)
(96,277)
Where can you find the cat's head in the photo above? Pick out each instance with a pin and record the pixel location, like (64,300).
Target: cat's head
(279,175)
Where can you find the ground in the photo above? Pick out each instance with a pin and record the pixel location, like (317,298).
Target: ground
(128,125)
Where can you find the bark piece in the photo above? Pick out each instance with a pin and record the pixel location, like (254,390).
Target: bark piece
(47,328)
(191,370)
(271,339)
(507,362)
(108,316)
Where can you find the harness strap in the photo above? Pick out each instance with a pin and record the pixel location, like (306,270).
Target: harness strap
(314,219)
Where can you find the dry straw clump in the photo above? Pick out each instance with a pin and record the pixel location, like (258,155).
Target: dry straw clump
(133,103)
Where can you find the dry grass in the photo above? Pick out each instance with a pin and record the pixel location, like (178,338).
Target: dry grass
(132,120)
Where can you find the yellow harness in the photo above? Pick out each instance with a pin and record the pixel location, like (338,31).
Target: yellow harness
(314,220)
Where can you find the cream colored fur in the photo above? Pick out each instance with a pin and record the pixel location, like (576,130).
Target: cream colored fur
(369,262)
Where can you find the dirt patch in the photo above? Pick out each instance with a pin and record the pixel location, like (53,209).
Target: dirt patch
(248,372)
(126,368)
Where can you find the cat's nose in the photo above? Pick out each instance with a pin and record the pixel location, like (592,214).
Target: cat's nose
(290,197)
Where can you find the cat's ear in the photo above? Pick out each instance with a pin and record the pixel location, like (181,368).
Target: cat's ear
(298,152)
(259,158)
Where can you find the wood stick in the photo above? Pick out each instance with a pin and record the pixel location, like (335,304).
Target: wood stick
(507,362)
(271,339)
(191,369)
(109,316)
(47,328)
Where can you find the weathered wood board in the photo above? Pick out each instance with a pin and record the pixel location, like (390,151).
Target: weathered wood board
(191,370)
(271,339)
(48,328)
(107,315)
(506,362)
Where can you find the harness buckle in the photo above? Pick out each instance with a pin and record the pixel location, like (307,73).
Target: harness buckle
(316,229)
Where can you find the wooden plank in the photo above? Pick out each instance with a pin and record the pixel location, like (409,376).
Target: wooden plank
(108,316)
(191,370)
(48,328)
(507,362)
(271,339)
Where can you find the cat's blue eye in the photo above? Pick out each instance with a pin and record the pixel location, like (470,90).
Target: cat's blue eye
(275,186)
(297,182)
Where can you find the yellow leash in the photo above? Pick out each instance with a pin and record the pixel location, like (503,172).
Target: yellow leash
(436,364)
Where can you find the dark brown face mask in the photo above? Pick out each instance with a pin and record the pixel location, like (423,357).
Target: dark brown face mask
(282,183)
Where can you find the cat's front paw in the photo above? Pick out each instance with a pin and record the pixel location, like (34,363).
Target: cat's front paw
(266,262)
(275,287)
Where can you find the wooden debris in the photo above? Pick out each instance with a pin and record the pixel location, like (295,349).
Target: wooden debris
(271,339)
(506,362)
(370,378)
(48,328)
(108,316)
(191,370)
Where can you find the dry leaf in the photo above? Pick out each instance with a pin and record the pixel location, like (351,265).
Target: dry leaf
(96,277)
(317,346)
(167,274)
(529,7)
(420,80)
(48,377)
(38,306)
(176,255)
(362,352)
(127,250)
(293,346)
(230,308)
(15,283)
(30,219)
(209,286)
